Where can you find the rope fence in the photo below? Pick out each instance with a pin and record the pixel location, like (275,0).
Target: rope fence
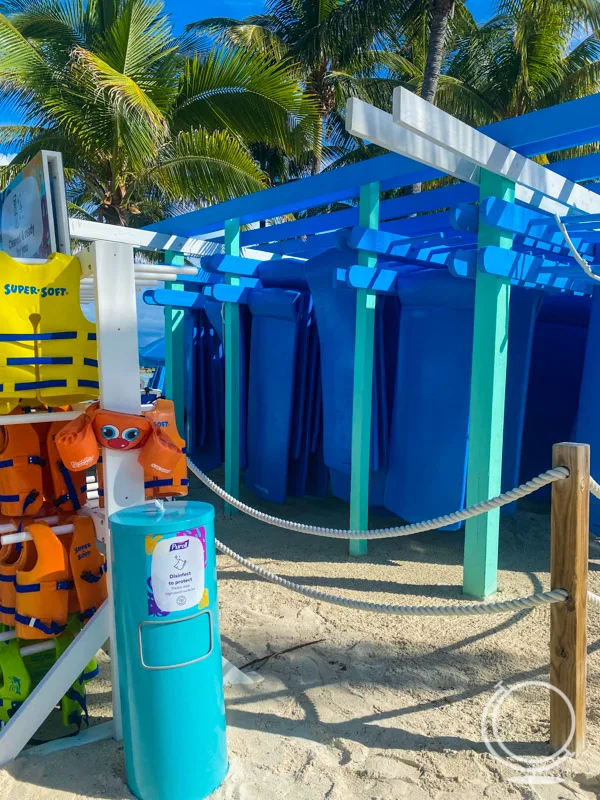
(474,609)
(505,606)
(569,570)
(545,478)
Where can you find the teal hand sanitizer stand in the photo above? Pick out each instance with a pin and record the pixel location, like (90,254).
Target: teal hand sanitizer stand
(167,634)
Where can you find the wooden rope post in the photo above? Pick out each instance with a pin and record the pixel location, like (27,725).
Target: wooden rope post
(569,571)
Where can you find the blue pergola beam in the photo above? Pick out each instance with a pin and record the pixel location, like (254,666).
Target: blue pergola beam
(532,228)
(413,226)
(542,131)
(520,269)
(174,299)
(550,129)
(390,209)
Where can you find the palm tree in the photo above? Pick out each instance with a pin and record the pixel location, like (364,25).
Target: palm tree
(524,58)
(339,49)
(144,120)
(441,13)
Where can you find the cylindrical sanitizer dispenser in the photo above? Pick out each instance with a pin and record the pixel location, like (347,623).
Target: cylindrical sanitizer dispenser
(167,634)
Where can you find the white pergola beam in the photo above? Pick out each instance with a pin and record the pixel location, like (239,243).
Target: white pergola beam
(140,239)
(414,115)
(368,122)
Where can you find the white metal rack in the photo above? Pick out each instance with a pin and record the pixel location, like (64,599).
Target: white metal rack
(111,268)
(109,271)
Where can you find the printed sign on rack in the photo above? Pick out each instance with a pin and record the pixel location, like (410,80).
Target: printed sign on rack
(176,567)
(33,210)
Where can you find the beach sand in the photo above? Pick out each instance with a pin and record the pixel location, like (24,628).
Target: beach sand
(381,707)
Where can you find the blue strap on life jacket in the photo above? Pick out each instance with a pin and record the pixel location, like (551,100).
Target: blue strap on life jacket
(73,694)
(163,482)
(71,491)
(89,384)
(89,676)
(61,586)
(14,706)
(86,615)
(38,361)
(9,498)
(7,610)
(9,462)
(38,337)
(50,630)
(94,577)
(25,386)
(8,578)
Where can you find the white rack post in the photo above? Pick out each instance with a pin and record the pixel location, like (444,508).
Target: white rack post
(118,369)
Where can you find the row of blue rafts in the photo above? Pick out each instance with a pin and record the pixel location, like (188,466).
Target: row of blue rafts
(297,346)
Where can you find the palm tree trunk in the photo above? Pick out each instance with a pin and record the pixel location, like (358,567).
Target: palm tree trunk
(441,13)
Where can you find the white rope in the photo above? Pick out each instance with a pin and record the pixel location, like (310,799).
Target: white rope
(506,606)
(594,488)
(574,252)
(594,598)
(557,474)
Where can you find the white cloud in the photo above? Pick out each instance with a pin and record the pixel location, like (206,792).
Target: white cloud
(6,158)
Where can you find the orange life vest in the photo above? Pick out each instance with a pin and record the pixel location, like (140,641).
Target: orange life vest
(154,434)
(42,605)
(79,440)
(13,557)
(88,568)
(68,575)
(31,472)
(157,484)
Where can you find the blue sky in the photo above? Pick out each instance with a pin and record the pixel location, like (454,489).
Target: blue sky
(185,12)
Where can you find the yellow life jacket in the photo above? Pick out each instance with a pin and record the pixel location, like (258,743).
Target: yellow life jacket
(32,472)
(48,350)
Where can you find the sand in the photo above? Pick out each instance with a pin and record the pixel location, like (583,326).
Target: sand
(381,707)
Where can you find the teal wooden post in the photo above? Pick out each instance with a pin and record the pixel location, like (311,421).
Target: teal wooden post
(362,395)
(174,348)
(231,334)
(488,384)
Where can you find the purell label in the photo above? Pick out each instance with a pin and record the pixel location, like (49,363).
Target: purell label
(177,572)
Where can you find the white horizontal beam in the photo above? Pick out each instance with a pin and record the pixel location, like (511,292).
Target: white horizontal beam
(371,123)
(97,733)
(165,268)
(377,126)
(140,239)
(418,117)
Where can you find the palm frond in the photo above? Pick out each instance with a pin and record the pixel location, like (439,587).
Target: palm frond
(233,90)
(212,166)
